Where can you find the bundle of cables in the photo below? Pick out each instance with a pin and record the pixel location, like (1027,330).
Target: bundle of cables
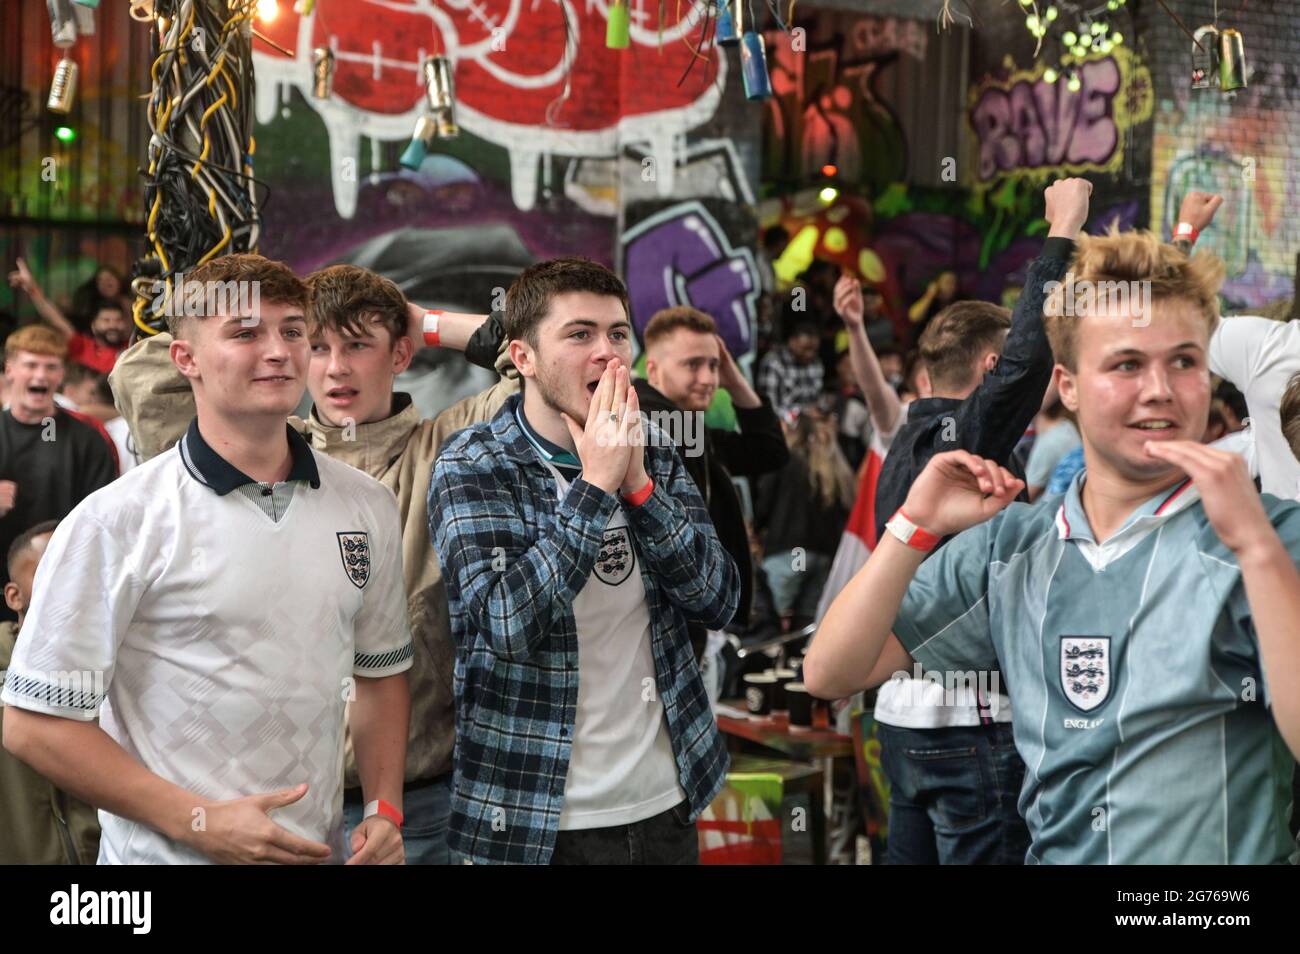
(201,197)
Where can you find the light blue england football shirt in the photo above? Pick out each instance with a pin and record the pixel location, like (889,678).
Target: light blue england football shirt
(1134,673)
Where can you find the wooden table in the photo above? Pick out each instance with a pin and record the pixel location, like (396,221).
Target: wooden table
(822,746)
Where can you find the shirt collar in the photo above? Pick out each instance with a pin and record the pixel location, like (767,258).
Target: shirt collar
(215,472)
(550,452)
(1072,522)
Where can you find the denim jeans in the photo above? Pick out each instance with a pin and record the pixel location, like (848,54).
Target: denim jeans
(666,839)
(953,795)
(425,814)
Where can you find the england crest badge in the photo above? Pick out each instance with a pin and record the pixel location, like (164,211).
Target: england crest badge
(1086,672)
(617,558)
(354,549)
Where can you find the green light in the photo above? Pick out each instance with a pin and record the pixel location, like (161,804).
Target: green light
(1050,75)
(828,194)
(65,134)
(1069,38)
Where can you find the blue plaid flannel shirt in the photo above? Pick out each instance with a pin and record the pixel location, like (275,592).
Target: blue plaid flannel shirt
(514,557)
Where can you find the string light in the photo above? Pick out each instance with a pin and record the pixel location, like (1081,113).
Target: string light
(267,10)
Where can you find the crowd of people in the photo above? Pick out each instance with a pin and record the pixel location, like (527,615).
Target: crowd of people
(510,625)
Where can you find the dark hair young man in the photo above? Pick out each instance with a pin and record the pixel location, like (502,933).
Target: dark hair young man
(363,332)
(574,557)
(240,580)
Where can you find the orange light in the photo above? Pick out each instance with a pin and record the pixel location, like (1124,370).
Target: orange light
(829,170)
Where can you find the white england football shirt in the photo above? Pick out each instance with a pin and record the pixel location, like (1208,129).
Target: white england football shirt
(216,625)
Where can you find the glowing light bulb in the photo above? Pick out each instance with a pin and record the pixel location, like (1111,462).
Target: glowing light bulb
(267,10)
(1050,75)
(828,194)
(1075,84)
(1069,38)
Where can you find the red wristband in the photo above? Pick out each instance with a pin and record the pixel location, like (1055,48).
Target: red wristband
(386,809)
(1187,231)
(907,531)
(641,496)
(431,336)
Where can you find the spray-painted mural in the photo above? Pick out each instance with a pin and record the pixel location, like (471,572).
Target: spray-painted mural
(558,133)
(1025,125)
(826,107)
(533,78)
(683,254)
(1240,148)
(842,103)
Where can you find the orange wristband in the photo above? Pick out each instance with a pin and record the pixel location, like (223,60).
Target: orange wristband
(901,526)
(641,496)
(431,337)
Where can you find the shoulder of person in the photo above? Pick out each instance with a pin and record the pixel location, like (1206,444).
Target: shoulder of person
(1020,527)
(476,447)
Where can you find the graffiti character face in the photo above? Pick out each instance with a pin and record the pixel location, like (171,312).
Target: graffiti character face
(683,367)
(581,332)
(243,368)
(110,326)
(33,379)
(350,377)
(1135,384)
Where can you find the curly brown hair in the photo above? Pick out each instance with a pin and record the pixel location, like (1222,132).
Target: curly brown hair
(351,300)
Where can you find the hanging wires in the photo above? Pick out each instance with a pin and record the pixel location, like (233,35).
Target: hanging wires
(200,193)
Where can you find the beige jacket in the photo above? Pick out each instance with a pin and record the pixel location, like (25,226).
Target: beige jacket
(39,824)
(399,452)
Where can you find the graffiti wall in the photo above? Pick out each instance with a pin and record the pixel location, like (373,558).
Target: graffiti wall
(1243,145)
(1025,125)
(558,133)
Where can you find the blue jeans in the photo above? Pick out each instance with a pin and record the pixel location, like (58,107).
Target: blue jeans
(425,814)
(953,795)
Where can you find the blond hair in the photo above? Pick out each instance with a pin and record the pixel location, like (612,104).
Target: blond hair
(1125,257)
(37,339)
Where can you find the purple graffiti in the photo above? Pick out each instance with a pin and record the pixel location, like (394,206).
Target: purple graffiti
(680,256)
(1039,125)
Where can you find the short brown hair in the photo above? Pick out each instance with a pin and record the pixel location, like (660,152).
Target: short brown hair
(276,284)
(347,298)
(956,339)
(667,320)
(1289,411)
(38,339)
(1132,257)
(529,299)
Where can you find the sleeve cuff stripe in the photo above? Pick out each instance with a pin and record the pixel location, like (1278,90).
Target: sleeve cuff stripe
(63,697)
(383,660)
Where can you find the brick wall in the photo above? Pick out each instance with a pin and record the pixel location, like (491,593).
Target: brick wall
(1245,146)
